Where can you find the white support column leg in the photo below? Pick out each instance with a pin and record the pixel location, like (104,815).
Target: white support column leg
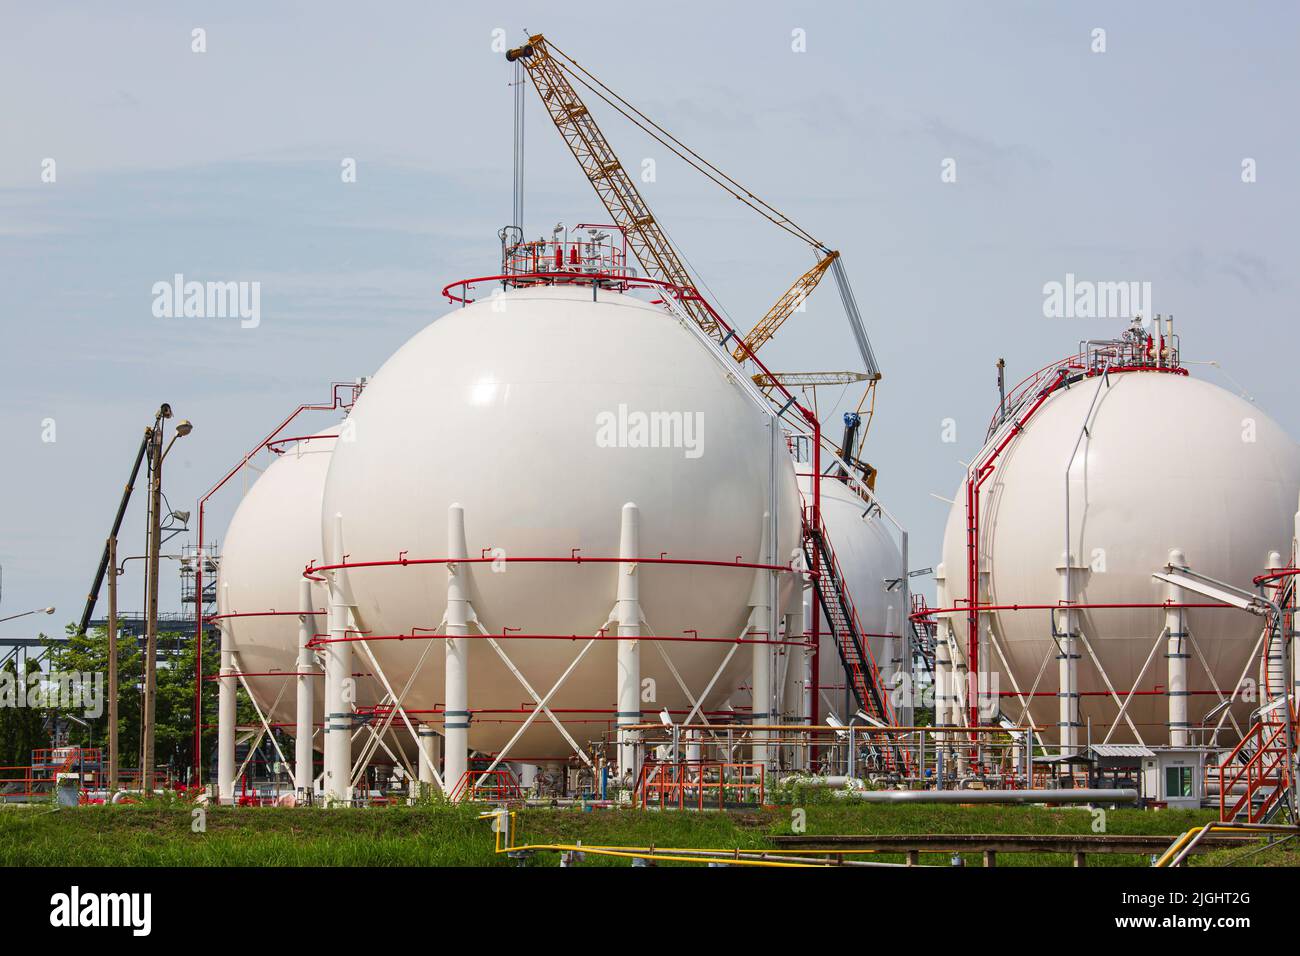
(957,757)
(1177,654)
(339,683)
(893,653)
(1295,614)
(794,694)
(943,695)
(430,755)
(1067,658)
(1275,654)
(304,724)
(760,617)
(456,691)
(628,613)
(226,688)
(693,749)
(983,691)
(810,662)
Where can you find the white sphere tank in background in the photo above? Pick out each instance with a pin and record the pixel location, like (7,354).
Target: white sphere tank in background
(273,535)
(1169,461)
(868,556)
(523,409)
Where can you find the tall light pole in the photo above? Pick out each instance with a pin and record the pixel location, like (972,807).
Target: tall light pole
(112,666)
(156,455)
(39,610)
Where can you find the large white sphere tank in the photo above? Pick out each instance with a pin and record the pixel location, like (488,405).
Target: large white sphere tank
(1168,461)
(524,410)
(869,558)
(273,535)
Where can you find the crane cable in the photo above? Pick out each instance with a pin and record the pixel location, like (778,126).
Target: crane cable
(573,68)
(517,210)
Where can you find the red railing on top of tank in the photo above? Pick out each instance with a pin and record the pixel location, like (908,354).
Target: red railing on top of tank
(616,281)
(1093,357)
(595,254)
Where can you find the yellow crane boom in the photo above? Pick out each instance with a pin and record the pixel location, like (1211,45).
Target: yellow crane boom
(613,185)
(784,307)
(551,70)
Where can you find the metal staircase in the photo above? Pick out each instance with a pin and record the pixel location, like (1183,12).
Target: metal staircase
(923,634)
(1258,766)
(841,616)
(1254,779)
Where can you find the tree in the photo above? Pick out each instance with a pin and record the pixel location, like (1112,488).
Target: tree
(22,728)
(88,654)
(174,713)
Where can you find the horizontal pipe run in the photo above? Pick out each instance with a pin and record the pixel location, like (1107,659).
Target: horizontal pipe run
(857,728)
(321,639)
(222,617)
(216,677)
(310,571)
(1084,795)
(989,608)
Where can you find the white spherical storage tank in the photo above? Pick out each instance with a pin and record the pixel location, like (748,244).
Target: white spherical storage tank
(1166,463)
(541,413)
(273,535)
(869,558)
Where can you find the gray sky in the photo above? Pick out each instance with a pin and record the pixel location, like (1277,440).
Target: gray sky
(1119,165)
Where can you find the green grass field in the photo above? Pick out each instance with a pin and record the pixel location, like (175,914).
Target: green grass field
(162,835)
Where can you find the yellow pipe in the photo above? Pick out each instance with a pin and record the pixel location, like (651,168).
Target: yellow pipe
(702,849)
(1182,841)
(729,860)
(672,854)
(675,854)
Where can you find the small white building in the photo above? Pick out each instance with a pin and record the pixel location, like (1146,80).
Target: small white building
(1174,776)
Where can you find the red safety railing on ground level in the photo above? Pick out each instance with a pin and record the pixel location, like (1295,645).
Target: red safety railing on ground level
(700,784)
(492,785)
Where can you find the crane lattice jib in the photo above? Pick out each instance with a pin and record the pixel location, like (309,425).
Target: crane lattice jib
(808,379)
(607,175)
(784,307)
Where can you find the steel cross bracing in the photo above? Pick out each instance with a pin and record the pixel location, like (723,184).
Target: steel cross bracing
(608,177)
